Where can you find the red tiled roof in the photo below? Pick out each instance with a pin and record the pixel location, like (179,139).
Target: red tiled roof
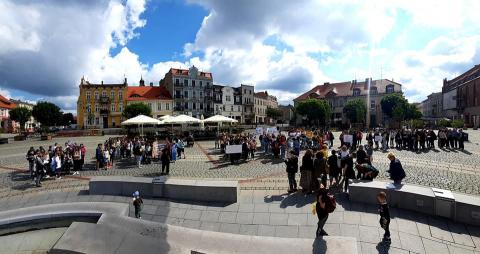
(142,93)
(263,95)
(177,72)
(6,103)
(344,89)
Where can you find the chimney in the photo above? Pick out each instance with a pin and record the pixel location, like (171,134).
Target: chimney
(142,82)
(125,81)
(151,83)
(326,83)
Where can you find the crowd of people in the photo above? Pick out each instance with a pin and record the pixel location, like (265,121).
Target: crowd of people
(55,161)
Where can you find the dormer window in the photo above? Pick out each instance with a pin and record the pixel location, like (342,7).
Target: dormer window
(356,92)
(390,89)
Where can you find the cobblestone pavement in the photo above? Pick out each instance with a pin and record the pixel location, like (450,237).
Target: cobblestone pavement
(449,169)
(274,213)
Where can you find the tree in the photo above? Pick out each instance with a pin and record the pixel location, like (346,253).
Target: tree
(458,123)
(355,110)
(412,112)
(47,113)
(21,115)
(135,109)
(274,113)
(68,119)
(390,101)
(315,110)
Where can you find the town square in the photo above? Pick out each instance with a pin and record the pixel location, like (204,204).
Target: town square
(205,126)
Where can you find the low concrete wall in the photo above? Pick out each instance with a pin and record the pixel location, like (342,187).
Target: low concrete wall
(179,189)
(466,209)
(119,234)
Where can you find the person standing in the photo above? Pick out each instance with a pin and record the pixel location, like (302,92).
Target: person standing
(292,168)
(362,158)
(384,216)
(333,169)
(349,171)
(77,160)
(306,172)
(319,171)
(31,162)
(165,158)
(461,140)
(181,149)
(99,157)
(138,204)
(40,162)
(396,170)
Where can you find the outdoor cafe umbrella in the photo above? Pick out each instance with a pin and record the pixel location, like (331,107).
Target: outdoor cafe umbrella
(181,119)
(219,119)
(140,120)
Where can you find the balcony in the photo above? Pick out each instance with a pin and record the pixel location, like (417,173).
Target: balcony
(104,112)
(104,99)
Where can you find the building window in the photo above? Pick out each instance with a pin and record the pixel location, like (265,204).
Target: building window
(373,91)
(96,95)
(167,106)
(104,93)
(231,108)
(96,108)
(389,89)
(186,106)
(112,95)
(88,96)
(113,107)
(372,104)
(193,83)
(177,81)
(201,106)
(185,82)
(185,94)
(227,98)
(159,106)
(239,109)
(194,106)
(97,121)
(201,94)
(89,109)
(193,94)
(201,83)
(356,92)
(208,83)
(120,95)
(120,107)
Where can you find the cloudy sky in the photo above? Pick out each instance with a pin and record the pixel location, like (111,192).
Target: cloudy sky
(284,47)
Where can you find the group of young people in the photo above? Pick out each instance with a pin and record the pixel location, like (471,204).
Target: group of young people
(55,161)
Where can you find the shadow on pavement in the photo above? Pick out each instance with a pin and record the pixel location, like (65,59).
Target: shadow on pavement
(319,246)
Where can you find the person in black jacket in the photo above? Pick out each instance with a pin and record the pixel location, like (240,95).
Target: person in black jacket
(306,172)
(292,169)
(31,162)
(361,158)
(165,158)
(396,170)
(349,171)
(384,216)
(322,214)
(333,169)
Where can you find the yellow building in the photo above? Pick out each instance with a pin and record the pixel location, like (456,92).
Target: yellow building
(100,105)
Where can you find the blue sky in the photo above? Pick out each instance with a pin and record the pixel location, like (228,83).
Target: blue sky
(285,47)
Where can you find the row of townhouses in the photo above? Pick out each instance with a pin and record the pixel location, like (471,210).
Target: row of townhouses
(338,94)
(191,92)
(459,98)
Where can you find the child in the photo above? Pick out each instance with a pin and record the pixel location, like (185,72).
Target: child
(384,216)
(138,204)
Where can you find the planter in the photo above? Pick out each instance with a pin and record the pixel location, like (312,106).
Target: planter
(19,138)
(46,137)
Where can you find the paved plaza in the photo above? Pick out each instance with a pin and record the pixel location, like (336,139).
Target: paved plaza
(264,208)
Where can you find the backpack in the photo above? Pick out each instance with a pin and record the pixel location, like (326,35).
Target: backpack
(330,203)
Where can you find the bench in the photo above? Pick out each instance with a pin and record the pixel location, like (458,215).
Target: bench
(431,201)
(163,187)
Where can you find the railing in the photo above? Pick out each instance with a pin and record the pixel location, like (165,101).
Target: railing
(104,99)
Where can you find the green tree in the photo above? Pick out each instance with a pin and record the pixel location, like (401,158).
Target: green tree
(390,101)
(274,113)
(458,123)
(412,112)
(135,109)
(355,110)
(444,123)
(315,110)
(47,113)
(21,115)
(68,119)
(398,112)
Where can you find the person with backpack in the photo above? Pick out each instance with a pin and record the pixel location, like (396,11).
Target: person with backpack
(324,205)
(138,204)
(292,169)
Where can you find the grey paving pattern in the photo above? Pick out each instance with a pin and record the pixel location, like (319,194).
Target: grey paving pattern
(411,232)
(448,169)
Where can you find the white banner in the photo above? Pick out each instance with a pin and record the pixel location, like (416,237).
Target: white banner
(233,149)
(378,138)
(348,139)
